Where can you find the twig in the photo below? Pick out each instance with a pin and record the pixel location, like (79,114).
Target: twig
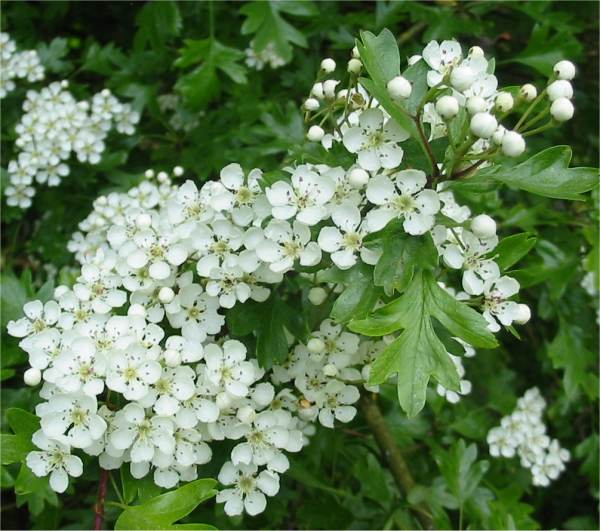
(434,164)
(393,455)
(99,507)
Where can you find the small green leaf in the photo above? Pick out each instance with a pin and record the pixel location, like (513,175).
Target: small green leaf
(511,249)
(158,21)
(271,339)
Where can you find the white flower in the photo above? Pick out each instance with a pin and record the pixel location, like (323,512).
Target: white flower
(173,387)
(38,317)
(375,140)
(228,368)
(403,198)
(239,194)
(54,459)
(336,402)
(496,305)
(99,286)
(441,58)
(195,313)
(218,243)
(248,490)
(131,372)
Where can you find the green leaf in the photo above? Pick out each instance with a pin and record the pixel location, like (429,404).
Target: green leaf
(14,448)
(547,174)
(51,55)
(271,339)
(380,55)
(418,353)
(511,249)
(13,296)
(103,60)
(158,22)
(162,511)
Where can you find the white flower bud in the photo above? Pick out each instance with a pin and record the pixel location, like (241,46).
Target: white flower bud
(149,174)
(178,171)
(32,377)
(143,221)
(317,91)
(564,70)
(317,295)
(136,310)
(513,144)
(523,314)
(315,133)
(354,66)
(476,104)
(560,88)
(246,414)
(483,124)
(476,51)
(311,104)
(528,92)
(328,65)
(498,135)
(462,77)
(358,177)
(413,59)
(483,226)
(166,295)
(329,88)
(504,102)
(399,87)
(562,110)
(316,345)
(342,94)
(355,53)
(172,357)
(330,370)
(162,177)
(102,200)
(447,107)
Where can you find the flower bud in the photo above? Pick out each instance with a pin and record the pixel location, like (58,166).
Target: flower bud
(560,89)
(328,65)
(311,104)
(166,295)
(178,171)
(476,104)
(483,226)
(143,221)
(498,135)
(162,177)
(330,370)
(462,77)
(523,314)
(354,66)
(483,124)
(355,53)
(528,92)
(562,110)
(315,133)
(476,51)
(358,177)
(136,310)
(316,345)
(447,107)
(329,88)
(504,102)
(399,87)
(172,357)
(149,174)
(413,59)
(317,91)
(564,70)
(513,144)
(342,94)
(32,377)
(317,296)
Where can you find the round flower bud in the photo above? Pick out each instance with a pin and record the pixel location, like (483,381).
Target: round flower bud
(355,53)
(513,144)
(562,110)
(328,65)
(162,177)
(483,226)
(166,295)
(462,77)
(315,345)
(311,104)
(413,59)
(528,92)
(483,124)
(358,177)
(178,171)
(498,135)
(317,91)
(564,70)
(476,104)
(315,133)
(354,66)
(32,377)
(447,107)
(329,87)
(317,296)
(149,174)
(172,358)
(136,310)
(246,414)
(523,314)
(560,89)
(504,102)
(143,221)
(476,51)
(102,200)
(399,87)
(330,370)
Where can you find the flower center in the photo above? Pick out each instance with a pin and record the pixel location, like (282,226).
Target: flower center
(38,325)
(405,203)
(246,484)
(352,240)
(220,247)
(244,195)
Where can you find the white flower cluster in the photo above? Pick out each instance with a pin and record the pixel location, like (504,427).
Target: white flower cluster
(267,56)
(17,65)
(54,126)
(523,433)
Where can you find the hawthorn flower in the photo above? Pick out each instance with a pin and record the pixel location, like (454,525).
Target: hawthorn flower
(99,286)
(404,197)
(465,386)
(497,307)
(174,386)
(55,459)
(239,193)
(131,373)
(38,317)
(189,204)
(375,140)
(249,488)
(441,58)
(336,404)
(216,244)
(227,367)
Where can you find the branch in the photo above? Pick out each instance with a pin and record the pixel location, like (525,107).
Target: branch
(393,455)
(99,507)
(434,164)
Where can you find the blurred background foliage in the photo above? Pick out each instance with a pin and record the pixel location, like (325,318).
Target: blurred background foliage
(182,65)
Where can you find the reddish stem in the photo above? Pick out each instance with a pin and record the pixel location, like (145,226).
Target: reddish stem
(99,507)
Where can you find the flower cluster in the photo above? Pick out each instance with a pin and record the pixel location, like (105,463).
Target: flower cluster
(54,126)
(17,65)
(267,56)
(523,433)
